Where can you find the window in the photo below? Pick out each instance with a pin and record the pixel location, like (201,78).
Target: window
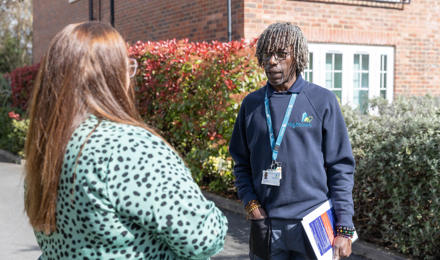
(308,71)
(333,73)
(383,76)
(361,69)
(355,73)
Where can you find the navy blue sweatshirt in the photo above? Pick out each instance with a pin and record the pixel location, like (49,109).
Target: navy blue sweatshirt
(315,153)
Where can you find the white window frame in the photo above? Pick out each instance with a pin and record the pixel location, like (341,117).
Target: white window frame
(383,72)
(334,70)
(348,51)
(308,70)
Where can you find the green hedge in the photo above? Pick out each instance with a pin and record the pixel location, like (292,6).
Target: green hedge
(397,181)
(5,91)
(12,131)
(12,128)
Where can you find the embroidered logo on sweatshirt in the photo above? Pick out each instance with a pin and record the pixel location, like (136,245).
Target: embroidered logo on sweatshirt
(306,121)
(306,118)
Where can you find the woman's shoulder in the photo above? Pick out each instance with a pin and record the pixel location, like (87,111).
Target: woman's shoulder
(125,131)
(117,132)
(115,137)
(131,137)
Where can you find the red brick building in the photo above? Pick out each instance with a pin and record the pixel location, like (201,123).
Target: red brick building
(359,48)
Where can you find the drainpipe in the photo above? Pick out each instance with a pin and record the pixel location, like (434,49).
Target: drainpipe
(112,12)
(229,21)
(90,10)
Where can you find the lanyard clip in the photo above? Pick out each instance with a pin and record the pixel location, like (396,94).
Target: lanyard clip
(274,165)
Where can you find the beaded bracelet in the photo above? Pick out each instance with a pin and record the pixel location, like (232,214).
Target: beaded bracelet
(252,205)
(344,231)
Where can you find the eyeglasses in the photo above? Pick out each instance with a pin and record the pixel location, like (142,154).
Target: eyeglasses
(279,56)
(132,67)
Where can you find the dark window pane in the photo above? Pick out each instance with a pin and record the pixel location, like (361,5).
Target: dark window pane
(365,62)
(338,61)
(338,80)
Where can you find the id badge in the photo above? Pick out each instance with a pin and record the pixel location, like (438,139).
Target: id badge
(271,177)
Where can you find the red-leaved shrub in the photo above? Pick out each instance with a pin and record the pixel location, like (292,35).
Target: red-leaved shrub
(191,92)
(22,80)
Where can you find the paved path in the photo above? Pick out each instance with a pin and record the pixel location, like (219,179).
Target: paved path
(17,240)
(236,244)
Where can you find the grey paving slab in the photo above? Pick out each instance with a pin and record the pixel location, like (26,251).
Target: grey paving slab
(236,244)
(17,240)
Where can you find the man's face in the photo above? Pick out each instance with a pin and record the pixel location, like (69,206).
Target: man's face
(278,67)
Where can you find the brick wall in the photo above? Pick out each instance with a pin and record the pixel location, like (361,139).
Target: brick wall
(50,16)
(197,20)
(413,31)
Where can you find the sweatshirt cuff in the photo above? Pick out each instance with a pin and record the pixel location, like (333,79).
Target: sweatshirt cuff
(344,220)
(248,197)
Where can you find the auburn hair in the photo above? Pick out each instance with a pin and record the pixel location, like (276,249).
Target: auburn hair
(84,71)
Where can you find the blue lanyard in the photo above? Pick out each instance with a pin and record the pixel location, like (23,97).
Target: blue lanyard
(276,146)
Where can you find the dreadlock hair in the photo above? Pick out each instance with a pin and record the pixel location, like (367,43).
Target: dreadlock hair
(280,36)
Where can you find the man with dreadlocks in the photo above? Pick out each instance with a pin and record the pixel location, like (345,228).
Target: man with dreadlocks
(291,151)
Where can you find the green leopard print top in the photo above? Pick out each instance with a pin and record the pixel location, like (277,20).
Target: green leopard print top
(131,197)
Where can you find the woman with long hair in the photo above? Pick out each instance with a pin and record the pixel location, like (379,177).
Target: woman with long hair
(100,184)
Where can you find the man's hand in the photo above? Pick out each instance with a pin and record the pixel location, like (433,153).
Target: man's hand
(341,247)
(258,213)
